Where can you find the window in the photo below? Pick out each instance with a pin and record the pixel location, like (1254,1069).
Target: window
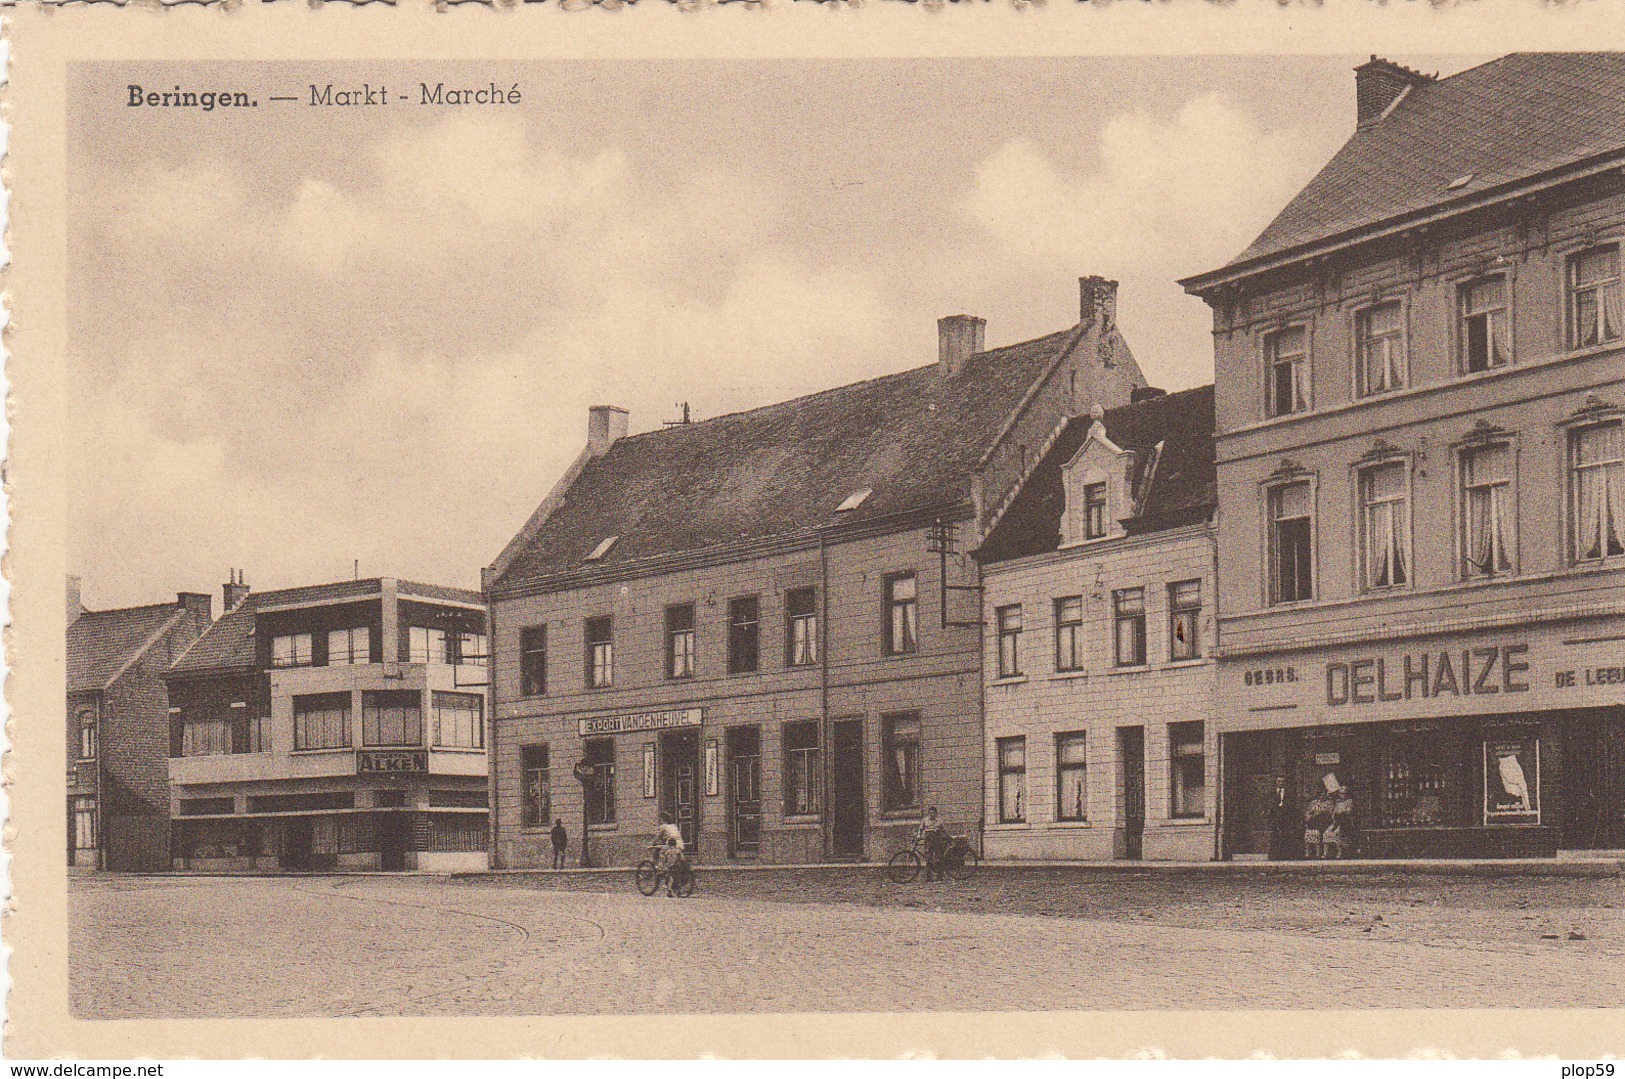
(1184,620)
(680,641)
(801,627)
(425,645)
(346,647)
(1188,780)
(470,649)
(600,638)
(902,614)
(803,786)
(1483,330)
(600,786)
(900,738)
(533,661)
(1094,510)
(84,823)
(1291,531)
(391,717)
(1128,608)
(1069,633)
(459,720)
(538,805)
(1595,315)
(1487,508)
(1385,526)
(1071,777)
(1012,780)
(291,650)
(1009,621)
(1286,358)
(1380,333)
(321,721)
(1598,491)
(208,737)
(744,634)
(87,734)
(1419,788)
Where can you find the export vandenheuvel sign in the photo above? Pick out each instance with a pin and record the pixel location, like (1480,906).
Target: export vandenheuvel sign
(643,721)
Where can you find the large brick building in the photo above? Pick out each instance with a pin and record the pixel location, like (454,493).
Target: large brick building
(1421,462)
(118,728)
(1098,597)
(333,726)
(753,623)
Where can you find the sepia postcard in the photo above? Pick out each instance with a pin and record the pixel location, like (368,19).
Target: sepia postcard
(817,530)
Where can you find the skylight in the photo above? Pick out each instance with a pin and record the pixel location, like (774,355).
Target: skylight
(602,549)
(854,500)
(1459,182)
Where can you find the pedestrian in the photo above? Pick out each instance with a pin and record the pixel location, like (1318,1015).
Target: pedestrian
(934,837)
(561,842)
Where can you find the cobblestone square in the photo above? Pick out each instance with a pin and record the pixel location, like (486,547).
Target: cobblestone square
(839,940)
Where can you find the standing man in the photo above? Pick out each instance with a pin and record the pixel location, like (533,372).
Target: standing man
(561,842)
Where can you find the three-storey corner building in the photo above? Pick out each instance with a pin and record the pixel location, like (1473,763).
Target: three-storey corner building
(1421,462)
(765,624)
(333,726)
(1099,587)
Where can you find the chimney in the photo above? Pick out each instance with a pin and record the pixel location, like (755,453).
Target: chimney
(233,592)
(1097,302)
(76,606)
(199,603)
(605,424)
(959,337)
(1378,83)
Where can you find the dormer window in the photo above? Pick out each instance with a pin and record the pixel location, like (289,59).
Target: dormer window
(1096,484)
(854,500)
(602,549)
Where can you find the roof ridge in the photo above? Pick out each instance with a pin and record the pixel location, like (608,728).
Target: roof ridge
(170,606)
(246,601)
(146,644)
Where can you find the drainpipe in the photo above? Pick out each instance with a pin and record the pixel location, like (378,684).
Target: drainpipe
(827,757)
(494,860)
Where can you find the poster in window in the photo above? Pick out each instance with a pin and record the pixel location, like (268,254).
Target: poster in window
(711,787)
(1512,780)
(648,769)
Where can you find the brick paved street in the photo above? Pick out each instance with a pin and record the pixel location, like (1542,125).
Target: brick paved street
(839,940)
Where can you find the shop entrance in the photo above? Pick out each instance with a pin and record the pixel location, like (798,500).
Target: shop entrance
(1594,782)
(679,788)
(846,788)
(298,839)
(744,791)
(394,832)
(1131,751)
(1261,802)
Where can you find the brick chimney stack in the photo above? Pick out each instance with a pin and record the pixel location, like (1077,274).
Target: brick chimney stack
(1378,83)
(76,606)
(959,337)
(1097,302)
(233,592)
(605,424)
(201,604)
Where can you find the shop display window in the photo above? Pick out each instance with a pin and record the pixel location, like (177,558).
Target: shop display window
(1422,780)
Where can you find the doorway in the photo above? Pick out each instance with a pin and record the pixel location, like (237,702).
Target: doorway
(745,792)
(1594,781)
(1131,752)
(394,829)
(1260,797)
(298,839)
(846,788)
(679,783)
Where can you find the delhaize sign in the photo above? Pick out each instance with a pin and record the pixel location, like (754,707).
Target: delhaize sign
(642,721)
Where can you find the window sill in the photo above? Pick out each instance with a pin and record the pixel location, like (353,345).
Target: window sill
(455,749)
(803,821)
(900,816)
(317,751)
(1184,822)
(1069,676)
(1071,824)
(597,828)
(1175,664)
(1139,668)
(1010,826)
(1009,680)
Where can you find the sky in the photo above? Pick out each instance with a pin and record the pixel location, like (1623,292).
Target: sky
(304,340)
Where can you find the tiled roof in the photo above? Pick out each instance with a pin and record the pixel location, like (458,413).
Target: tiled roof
(102,643)
(1183,488)
(227,644)
(1508,120)
(418,590)
(913,438)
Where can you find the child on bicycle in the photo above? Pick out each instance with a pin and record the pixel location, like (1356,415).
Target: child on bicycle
(669,840)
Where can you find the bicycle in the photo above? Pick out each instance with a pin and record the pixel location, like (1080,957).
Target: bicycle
(959,861)
(649,876)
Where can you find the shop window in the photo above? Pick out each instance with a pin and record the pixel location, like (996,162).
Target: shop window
(1009,625)
(802,770)
(1595,314)
(348,647)
(1597,490)
(1380,334)
(537,808)
(87,734)
(1128,612)
(900,747)
(1291,532)
(902,614)
(1188,770)
(1482,336)
(680,641)
(463,833)
(744,634)
(321,721)
(600,785)
(1012,780)
(1488,536)
(1286,361)
(1512,779)
(600,641)
(291,650)
(1069,633)
(1184,620)
(459,720)
(1071,777)
(1419,788)
(1385,526)
(533,661)
(391,717)
(1094,510)
(801,627)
